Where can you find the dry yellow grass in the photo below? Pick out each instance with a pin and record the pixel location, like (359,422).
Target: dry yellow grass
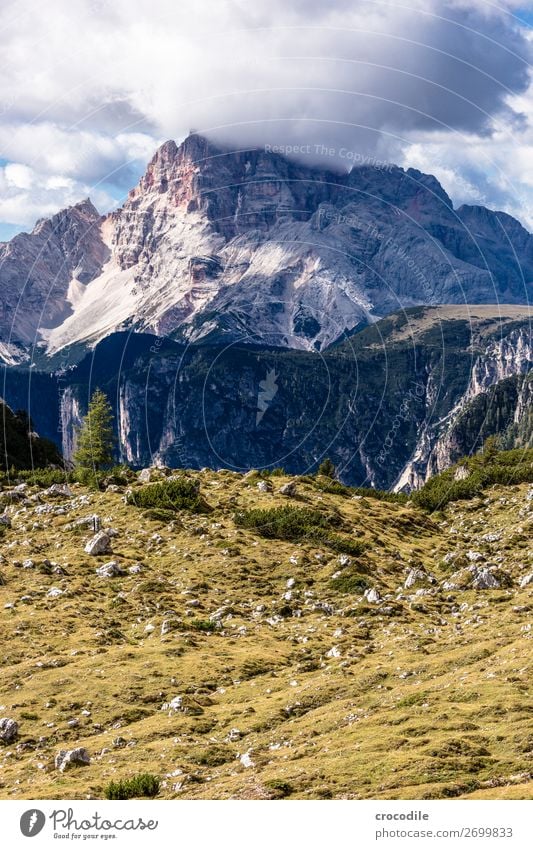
(425,696)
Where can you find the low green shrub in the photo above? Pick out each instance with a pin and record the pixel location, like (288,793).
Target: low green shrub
(325,484)
(349,584)
(298,524)
(288,523)
(35,477)
(202,625)
(158,515)
(133,788)
(341,545)
(178,493)
(279,789)
(506,468)
(213,756)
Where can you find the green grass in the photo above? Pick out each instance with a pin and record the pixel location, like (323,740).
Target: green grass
(349,584)
(278,788)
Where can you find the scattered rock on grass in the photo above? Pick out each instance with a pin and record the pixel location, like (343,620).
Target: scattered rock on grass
(9,730)
(288,489)
(99,544)
(110,570)
(372,595)
(73,757)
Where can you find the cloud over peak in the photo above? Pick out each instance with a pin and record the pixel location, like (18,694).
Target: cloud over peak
(89,91)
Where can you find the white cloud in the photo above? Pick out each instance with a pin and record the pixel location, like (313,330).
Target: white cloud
(89,88)
(26,196)
(18,176)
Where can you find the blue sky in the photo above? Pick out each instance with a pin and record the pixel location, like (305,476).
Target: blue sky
(441,85)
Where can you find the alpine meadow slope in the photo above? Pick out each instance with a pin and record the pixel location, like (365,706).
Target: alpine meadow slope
(223,644)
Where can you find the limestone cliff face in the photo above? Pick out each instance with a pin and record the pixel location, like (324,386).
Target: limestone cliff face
(388,406)
(443,442)
(71,415)
(221,245)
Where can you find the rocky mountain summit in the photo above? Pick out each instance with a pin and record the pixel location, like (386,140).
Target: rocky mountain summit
(219,245)
(260,636)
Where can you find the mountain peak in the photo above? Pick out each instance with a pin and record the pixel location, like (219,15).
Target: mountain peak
(84,209)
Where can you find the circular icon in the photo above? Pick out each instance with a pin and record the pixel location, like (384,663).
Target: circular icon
(32,822)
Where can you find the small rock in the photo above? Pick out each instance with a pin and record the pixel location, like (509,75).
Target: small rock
(526,580)
(54,592)
(221,613)
(495,537)
(288,489)
(264,486)
(99,544)
(234,735)
(416,576)
(334,652)
(9,730)
(474,556)
(485,580)
(246,760)
(110,570)
(175,705)
(372,596)
(169,625)
(58,490)
(73,757)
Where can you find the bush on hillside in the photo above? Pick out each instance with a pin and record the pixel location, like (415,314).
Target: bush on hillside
(324,484)
(298,524)
(506,468)
(133,788)
(178,493)
(34,477)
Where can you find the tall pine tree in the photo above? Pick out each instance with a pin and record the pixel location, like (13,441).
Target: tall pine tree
(95,438)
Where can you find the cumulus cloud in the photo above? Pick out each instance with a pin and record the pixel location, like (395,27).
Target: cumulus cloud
(90,88)
(26,195)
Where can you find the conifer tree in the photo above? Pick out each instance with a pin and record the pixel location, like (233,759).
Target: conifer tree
(327,468)
(95,438)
